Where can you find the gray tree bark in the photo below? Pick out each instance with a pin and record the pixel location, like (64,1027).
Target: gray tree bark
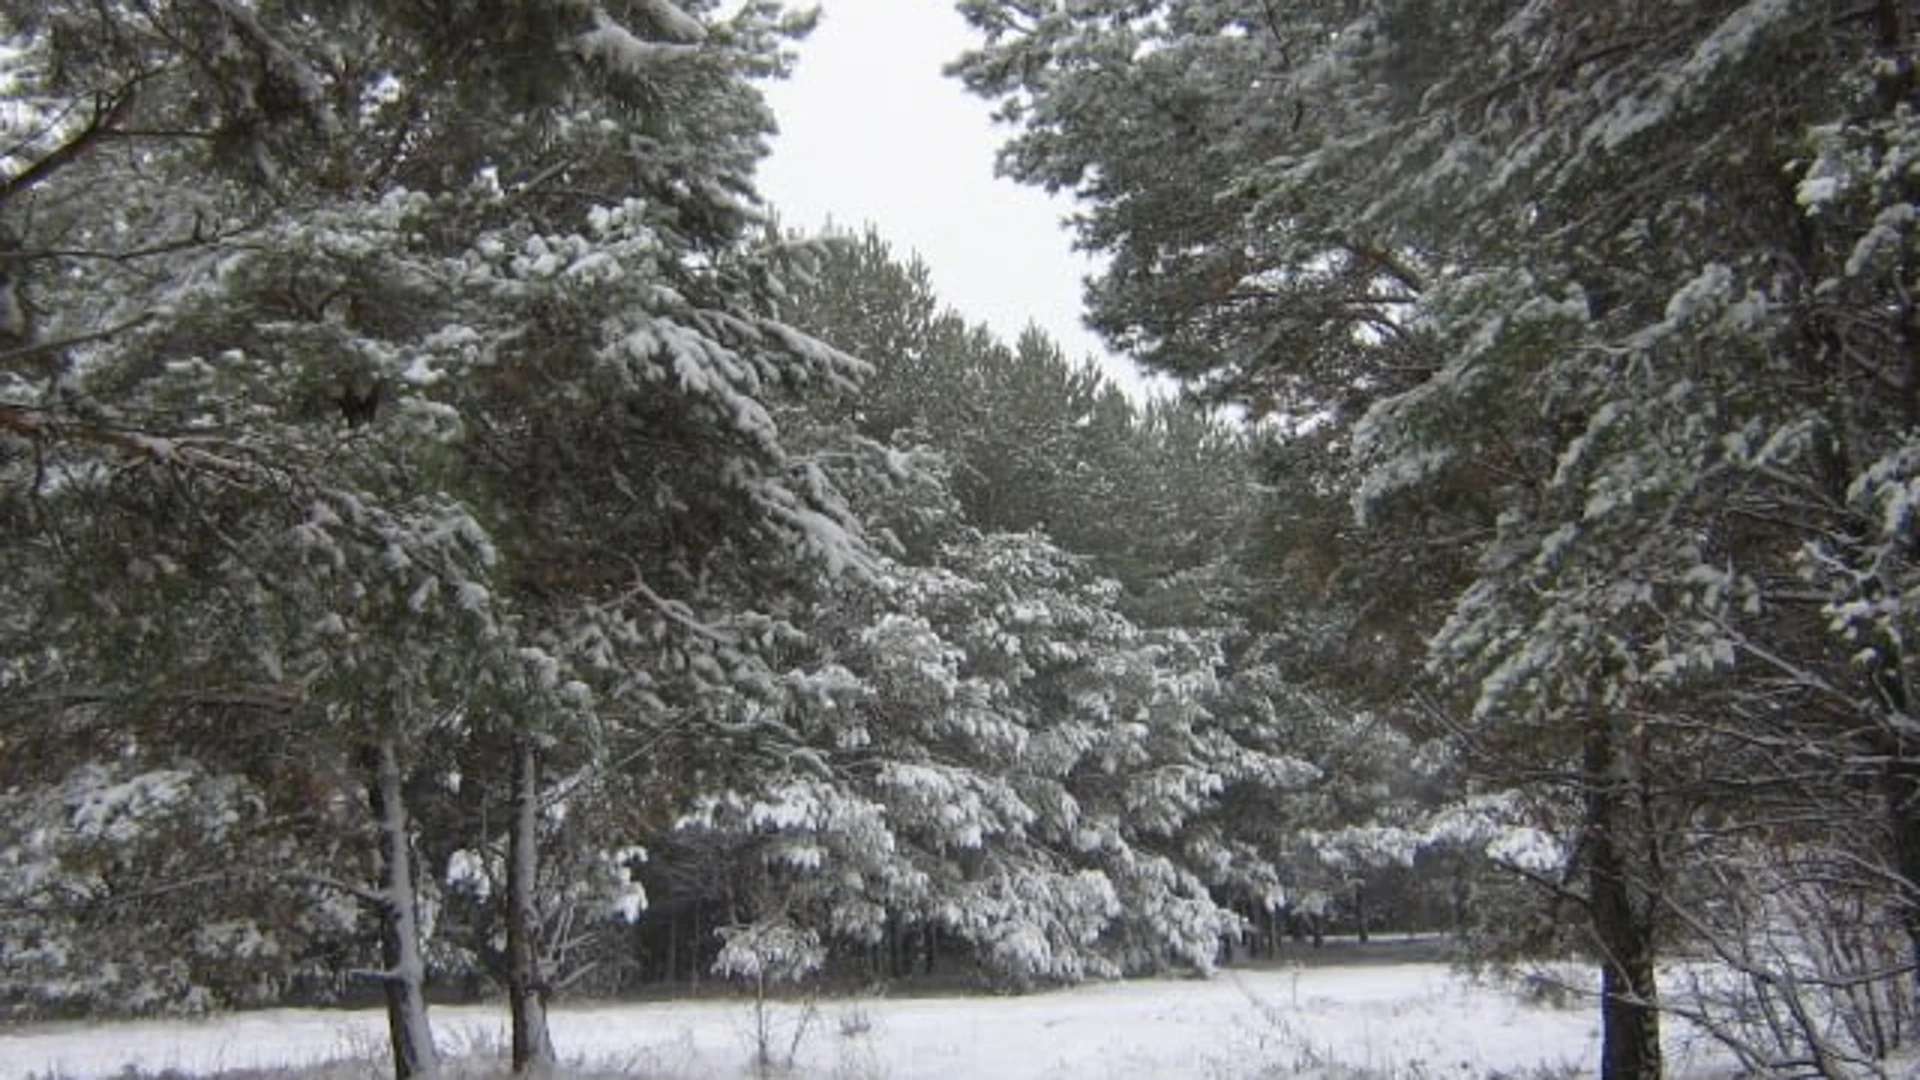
(1620,914)
(404,976)
(526,985)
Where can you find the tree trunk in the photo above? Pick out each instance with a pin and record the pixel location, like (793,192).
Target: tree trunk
(694,950)
(1622,921)
(673,948)
(1900,783)
(898,964)
(526,985)
(405,975)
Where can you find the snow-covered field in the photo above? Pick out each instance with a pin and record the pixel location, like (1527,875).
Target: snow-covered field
(1413,1021)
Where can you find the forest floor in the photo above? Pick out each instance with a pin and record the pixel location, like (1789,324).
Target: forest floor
(1378,1018)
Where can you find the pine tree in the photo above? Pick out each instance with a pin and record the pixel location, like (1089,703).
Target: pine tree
(465,428)
(1573,312)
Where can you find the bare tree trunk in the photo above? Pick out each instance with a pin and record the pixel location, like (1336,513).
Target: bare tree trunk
(673,948)
(693,948)
(526,986)
(1903,797)
(1622,922)
(898,965)
(405,970)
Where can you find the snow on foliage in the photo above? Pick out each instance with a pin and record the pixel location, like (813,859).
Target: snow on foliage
(363,404)
(768,952)
(1609,334)
(85,858)
(1022,750)
(620,49)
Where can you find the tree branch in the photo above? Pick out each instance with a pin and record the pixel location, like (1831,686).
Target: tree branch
(42,348)
(199,237)
(107,113)
(42,425)
(373,898)
(275,699)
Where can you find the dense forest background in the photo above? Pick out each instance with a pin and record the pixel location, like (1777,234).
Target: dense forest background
(456,541)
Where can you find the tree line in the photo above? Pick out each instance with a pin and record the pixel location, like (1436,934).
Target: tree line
(1593,323)
(454,536)
(452,533)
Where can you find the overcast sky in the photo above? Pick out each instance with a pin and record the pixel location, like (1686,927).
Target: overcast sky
(871,131)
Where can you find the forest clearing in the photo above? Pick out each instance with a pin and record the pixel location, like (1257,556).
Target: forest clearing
(1358,1021)
(457,543)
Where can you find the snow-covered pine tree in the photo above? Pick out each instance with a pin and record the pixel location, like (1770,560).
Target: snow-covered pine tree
(990,752)
(299,395)
(631,434)
(1154,494)
(1153,497)
(1584,311)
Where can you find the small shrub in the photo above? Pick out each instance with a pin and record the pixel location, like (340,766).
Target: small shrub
(1545,991)
(855,1022)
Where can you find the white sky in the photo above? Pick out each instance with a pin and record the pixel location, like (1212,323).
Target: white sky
(872,132)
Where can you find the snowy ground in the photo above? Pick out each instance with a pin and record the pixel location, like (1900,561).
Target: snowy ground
(1411,1021)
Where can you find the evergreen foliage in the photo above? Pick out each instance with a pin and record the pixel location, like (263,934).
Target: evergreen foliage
(445,523)
(1602,334)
